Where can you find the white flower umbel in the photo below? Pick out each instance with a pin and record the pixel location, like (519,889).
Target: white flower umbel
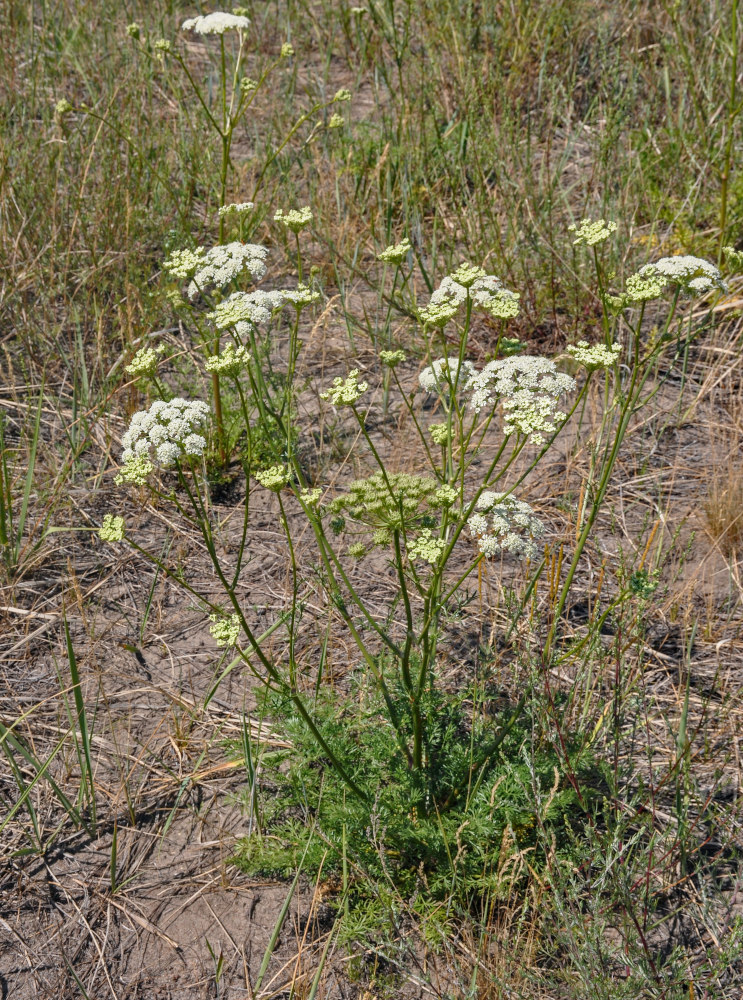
(694,274)
(486,291)
(734,258)
(168,429)
(590,233)
(223,263)
(274,478)
(345,392)
(112,529)
(230,361)
(529,388)
(242,308)
(225,629)
(441,376)
(427,547)
(183,263)
(642,288)
(594,357)
(392,358)
(216,23)
(311,496)
(235,208)
(136,470)
(301,296)
(396,253)
(295,219)
(217,266)
(501,523)
(144,361)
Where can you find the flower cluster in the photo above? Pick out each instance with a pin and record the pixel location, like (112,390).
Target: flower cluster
(396,253)
(693,274)
(336,121)
(225,629)
(311,496)
(295,219)
(236,208)
(399,501)
(144,361)
(301,296)
(485,290)
(231,361)
(217,266)
(345,392)
(444,376)
(440,434)
(342,95)
(136,470)
(242,308)
(112,529)
(734,258)
(215,24)
(642,288)
(392,358)
(596,356)
(274,478)
(528,388)
(427,547)
(590,233)
(168,428)
(500,523)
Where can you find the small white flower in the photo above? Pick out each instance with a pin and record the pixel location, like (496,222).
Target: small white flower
(144,361)
(236,208)
(501,523)
(246,307)
(426,547)
(231,361)
(169,428)
(274,478)
(444,374)
(392,358)
(590,233)
(694,274)
(136,470)
(734,258)
(224,262)
(301,296)
(225,629)
(396,253)
(311,497)
(445,496)
(183,263)
(486,292)
(345,392)
(112,529)
(296,219)
(216,23)
(596,356)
